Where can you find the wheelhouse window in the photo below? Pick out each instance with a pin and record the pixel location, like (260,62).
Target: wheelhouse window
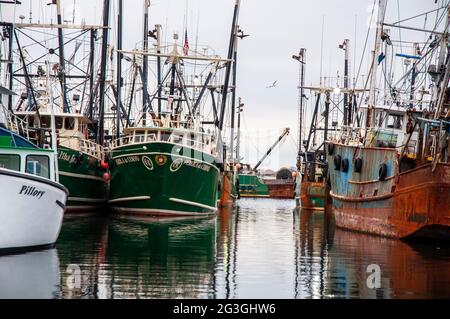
(139,136)
(394,121)
(59,123)
(165,136)
(69,123)
(10,161)
(38,165)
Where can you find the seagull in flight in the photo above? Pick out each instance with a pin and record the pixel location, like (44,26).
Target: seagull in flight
(274,85)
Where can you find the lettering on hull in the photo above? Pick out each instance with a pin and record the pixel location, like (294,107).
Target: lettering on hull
(31,191)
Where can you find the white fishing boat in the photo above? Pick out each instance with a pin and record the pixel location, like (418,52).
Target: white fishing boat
(32,201)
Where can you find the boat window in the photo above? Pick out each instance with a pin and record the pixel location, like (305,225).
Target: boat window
(10,161)
(45,122)
(69,123)
(165,136)
(395,121)
(38,165)
(58,123)
(139,136)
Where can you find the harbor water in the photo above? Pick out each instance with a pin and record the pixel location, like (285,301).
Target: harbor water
(261,249)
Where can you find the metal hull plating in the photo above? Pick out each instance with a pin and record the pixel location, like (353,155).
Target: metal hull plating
(312,196)
(32,211)
(228,193)
(251,185)
(83,178)
(163,179)
(412,203)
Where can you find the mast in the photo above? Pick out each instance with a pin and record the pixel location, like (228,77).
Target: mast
(62,64)
(240,109)
(119,68)
(10,64)
(145,57)
(301,59)
(370,121)
(347,111)
(91,75)
(444,64)
(158,65)
(233,95)
(101,109)
(228,65)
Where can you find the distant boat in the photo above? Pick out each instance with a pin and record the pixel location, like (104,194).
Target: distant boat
(33,202)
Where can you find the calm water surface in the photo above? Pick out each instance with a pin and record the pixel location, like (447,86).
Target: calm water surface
(262,249)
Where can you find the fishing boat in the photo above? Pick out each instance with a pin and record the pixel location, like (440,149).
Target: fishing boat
(170,156)
(166,166)
(392,177)
(79,157)
(250,184)
(32,199)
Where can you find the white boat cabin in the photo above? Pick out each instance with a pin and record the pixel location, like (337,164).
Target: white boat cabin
(72,130)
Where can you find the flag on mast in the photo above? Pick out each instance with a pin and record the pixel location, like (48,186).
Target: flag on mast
(186,44)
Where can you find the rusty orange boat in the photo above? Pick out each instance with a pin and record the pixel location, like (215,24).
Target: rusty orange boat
(391,177)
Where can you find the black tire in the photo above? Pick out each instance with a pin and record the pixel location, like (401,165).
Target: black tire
(337,162)
(358,165)
(382,173)
(345,165)
(330,149)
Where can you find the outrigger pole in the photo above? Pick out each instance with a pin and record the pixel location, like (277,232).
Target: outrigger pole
(101,109)
(285,132)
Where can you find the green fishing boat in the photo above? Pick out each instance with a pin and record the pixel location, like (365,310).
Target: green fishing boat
(164,171)
(79,158)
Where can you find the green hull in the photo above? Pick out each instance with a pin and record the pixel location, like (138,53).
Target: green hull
(83,178)
(162,179)
(251,186)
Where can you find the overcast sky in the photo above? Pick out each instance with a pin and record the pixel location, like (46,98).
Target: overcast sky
(278,29)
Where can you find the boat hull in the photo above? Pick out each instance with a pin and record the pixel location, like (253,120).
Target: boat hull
(415,203)
(83,178)
(32,211)
(312,196)
(251,185)
(157,180)
(281,189)
(228,193)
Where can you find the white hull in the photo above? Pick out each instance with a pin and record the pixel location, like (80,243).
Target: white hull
(31,210)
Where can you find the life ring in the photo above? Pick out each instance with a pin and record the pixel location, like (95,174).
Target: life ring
(382,173)
(337,162)
(358,165)
(345,164)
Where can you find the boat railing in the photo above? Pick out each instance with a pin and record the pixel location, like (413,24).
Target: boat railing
(136,139)
(18,125)
(91,148)
(177,139)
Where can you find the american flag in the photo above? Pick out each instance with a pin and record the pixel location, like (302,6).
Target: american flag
(186,44)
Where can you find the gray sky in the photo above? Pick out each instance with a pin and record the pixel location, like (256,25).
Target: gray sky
(278,30)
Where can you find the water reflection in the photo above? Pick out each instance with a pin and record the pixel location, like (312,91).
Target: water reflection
(261,249)
(33,275)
